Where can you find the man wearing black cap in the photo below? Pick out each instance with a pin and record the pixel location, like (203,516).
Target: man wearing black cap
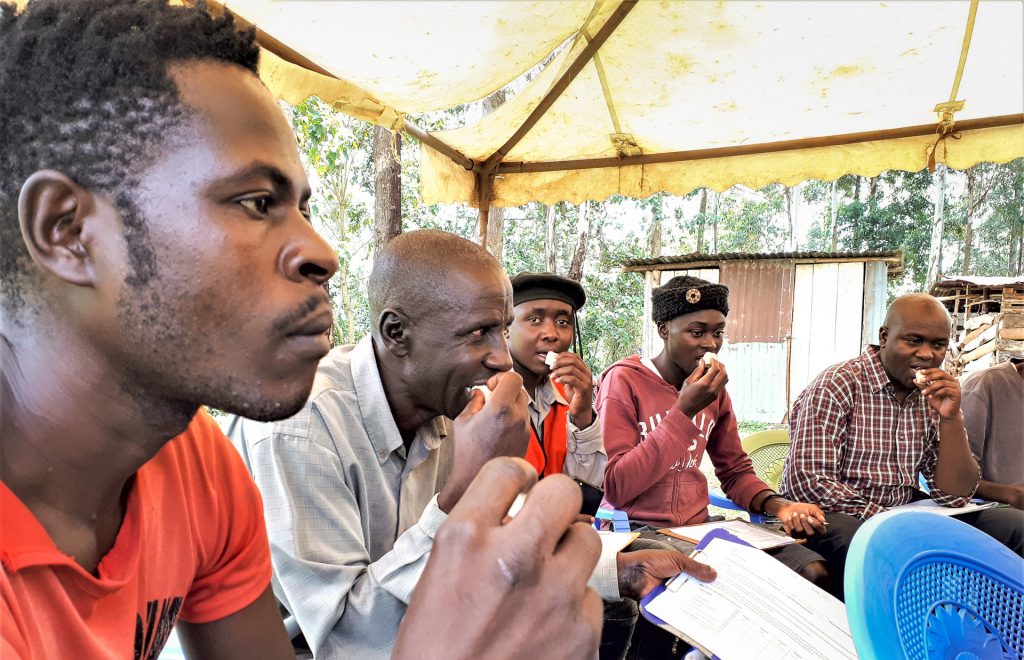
(565,434)
(660,415)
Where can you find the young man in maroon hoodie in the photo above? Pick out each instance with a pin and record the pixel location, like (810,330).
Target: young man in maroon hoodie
(660,415)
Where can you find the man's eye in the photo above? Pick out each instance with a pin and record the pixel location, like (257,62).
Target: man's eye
(697,333)
(478,333)
(720,333)
(258,205)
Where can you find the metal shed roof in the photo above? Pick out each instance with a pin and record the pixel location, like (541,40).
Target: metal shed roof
(961,281)
(695,259)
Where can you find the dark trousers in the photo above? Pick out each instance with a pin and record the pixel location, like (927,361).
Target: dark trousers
(1005,525)
(629,636)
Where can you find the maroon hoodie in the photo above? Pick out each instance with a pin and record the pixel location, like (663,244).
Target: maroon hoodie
(654,450)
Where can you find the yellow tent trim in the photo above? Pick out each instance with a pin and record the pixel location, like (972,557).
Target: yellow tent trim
(446,182)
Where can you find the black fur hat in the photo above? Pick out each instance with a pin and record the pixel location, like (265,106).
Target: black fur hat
(684,294)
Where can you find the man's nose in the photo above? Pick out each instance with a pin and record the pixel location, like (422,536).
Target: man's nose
(549,331)
(499,358)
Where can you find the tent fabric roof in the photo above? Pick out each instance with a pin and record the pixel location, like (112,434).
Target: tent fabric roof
(680,95)
(703,257)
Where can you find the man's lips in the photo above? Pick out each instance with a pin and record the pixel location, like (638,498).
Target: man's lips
(315,324)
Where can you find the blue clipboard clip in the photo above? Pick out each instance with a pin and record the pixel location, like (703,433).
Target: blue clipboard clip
(723,534)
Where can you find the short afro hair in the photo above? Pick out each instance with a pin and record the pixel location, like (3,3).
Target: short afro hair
(86,92)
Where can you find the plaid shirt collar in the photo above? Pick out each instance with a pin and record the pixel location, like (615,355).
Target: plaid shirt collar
(874,372)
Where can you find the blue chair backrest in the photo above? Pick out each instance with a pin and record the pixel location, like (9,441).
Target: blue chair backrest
(925,586)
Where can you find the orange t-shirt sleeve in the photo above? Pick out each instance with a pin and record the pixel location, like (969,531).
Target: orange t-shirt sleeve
(233,555)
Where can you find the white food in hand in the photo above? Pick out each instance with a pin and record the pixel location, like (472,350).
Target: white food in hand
(919,377)
(709,358)
(517,504)
(487,392)
(550,359)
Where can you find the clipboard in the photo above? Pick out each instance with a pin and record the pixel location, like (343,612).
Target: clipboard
(723,534)
(741,526)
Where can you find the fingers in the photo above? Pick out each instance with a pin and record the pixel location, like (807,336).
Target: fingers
(552,506)
(721,377)
(577,553)
(591,619)
(476,403)
(702,572)
(698,372)
(799,523)
(495,487)
(506,385)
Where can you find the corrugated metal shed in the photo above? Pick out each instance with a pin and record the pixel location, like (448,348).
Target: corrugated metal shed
(760,299)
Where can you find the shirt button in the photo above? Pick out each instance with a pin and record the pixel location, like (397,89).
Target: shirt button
(382,455)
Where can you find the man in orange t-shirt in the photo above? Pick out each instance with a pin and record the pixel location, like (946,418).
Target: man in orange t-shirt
(184,549)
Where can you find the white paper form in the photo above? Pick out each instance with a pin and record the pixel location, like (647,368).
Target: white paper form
(933,507)
(755,608)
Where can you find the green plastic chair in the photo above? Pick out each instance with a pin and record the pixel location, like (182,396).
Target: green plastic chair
(767,451)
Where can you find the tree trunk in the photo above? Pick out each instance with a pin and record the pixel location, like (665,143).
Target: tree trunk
(834,210)
(580,255)
(346,304)
(496,232)
(702,218)
(551,239)
(495,242)
(965,266)
(716,200)
(935,252)
(790,242)
(387,183)
(655,240)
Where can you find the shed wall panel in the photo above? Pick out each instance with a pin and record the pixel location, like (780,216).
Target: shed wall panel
(757,380)
(760,300)
(827,319)
(876,282)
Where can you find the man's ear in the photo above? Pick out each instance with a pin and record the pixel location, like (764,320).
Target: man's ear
(52,210)
(394,327)
(883,335)
(663,330)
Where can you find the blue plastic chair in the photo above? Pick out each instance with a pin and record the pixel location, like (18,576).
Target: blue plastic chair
(619,519)
(924,586)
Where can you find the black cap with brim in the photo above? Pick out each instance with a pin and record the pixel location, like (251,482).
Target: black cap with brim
(547,286)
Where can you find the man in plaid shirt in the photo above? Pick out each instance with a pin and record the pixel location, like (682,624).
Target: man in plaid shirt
(864,429)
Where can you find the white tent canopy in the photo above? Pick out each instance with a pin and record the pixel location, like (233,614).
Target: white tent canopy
(662,96)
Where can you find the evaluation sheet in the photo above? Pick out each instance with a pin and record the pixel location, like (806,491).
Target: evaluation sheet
(755,608)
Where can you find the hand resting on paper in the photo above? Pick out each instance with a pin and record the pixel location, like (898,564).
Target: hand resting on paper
(643,570)
(501,587)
